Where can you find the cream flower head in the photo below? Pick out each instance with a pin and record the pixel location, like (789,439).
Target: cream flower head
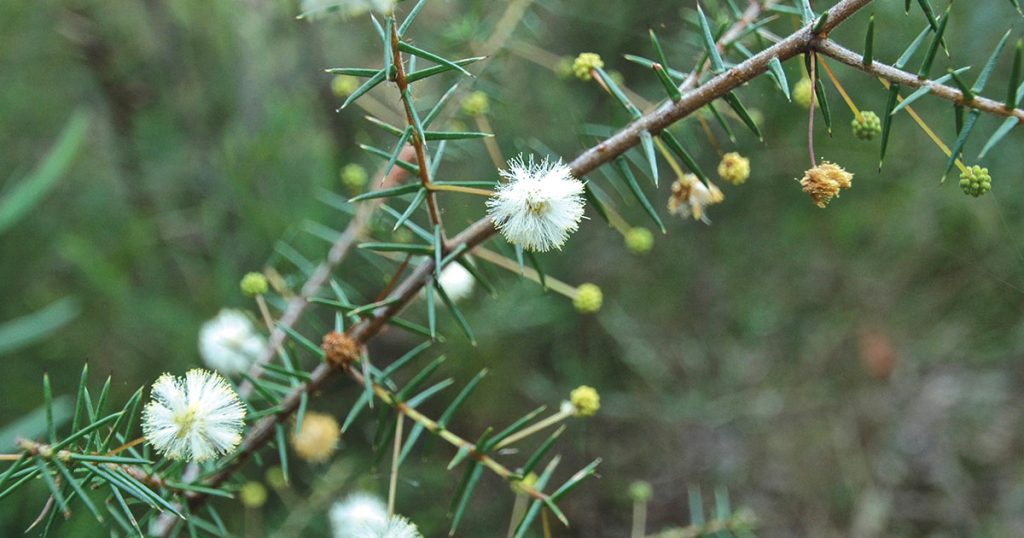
(456,281)
(230,343)
(393,527)
(196,418)
(539,206)
(359,510)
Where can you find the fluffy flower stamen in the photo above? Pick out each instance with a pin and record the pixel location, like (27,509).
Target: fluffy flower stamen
(539,206)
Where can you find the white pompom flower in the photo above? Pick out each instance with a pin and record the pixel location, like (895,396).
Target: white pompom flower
(456,281)
(196,418)
(393,527)
(230,343)
(539,205)
(357,512)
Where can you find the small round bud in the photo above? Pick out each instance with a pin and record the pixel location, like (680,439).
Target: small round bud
(339,349)
(354,177)
(617,77)
(640,491)
(522,486)
(253,495)
(476,104)
(254,284)
(868,126)
(585,63)
(344,85)
(639,240)
(275,477)
(588,298)
(734,168)
(975,181)
(823,182)
(802,92)
(563,69)
(585,401)
(317,441)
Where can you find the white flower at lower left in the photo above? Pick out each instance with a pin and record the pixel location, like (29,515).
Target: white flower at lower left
(197,417)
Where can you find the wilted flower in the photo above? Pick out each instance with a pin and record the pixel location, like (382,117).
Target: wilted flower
(393,527)
(823,182)
(358,510)
(339,349)
(539,206)
(456,281)
(229,343)
(196,418)
(690,197)
(318,438)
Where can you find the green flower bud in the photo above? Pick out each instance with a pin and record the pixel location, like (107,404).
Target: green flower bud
(868,127)
(588,298)
(975,181)
(253,495)
(254,284)
(640,491)
(275,477)
(354,177)
(639,240)
(344,85)
(584,63)
(802,93)
(475,104)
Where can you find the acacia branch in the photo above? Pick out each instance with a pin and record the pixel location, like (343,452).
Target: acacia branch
(898,76)
(655,121)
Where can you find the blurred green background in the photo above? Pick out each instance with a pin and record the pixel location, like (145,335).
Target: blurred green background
(854,371)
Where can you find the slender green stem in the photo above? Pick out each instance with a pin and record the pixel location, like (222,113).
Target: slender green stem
(536,427)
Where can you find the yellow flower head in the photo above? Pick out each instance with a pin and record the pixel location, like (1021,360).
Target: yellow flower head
(802,93)
(344,85)
(476,104)
(823,182)
(734,168)
(588,298)
(318,438)
(639,240)
(253,494)
(585,401)
(585,63)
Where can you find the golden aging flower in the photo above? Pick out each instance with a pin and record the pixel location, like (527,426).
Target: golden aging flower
(585,63)
(823,182)
(539,205)
(734,168)
(585,401)
(318,438)
(195,418)
(690,197)
(339,349)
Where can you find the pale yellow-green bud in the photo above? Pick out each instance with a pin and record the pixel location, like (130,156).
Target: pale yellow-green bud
(275,477)
(734,168)
(585,401)
(354,177)
(584,63)
(588,298)
(254,284)
(344,85)
(640,491)
(476,104)
(522,486)
(253,495)
(563,69)
(868,127)
(802,93)
(639,240)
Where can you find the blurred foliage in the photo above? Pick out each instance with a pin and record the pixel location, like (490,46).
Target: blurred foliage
(849,371)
